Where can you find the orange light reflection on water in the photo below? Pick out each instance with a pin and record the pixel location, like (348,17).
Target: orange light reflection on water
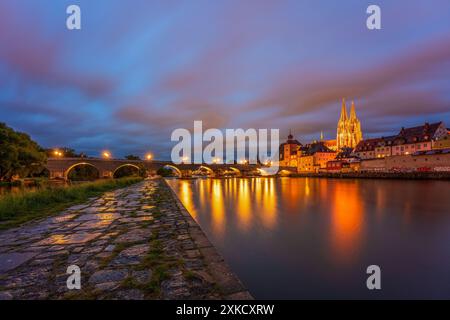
(244,204)
(186,197)
(256,201)
(269,202)
(347,221)
(253,201)
(217,207)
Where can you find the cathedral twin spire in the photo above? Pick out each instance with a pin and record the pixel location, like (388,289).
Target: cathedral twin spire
(349,128)
(353,112)
(344,111)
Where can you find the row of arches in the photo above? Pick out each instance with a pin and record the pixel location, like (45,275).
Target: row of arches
(226,171)
(88,171)
(203,170)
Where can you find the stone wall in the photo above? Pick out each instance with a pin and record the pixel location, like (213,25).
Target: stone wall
(435,162)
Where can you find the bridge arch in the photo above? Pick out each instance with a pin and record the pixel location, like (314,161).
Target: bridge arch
(235,170)
(67,171)
(178,171)
(125,165)
(206,168)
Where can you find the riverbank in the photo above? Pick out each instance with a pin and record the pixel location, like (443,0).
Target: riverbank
(132,243)
(20,207)
(378,175)
(34,182)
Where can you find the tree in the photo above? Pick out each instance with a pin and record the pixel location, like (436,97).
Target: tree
(132,157)
(19,155)
(65,152)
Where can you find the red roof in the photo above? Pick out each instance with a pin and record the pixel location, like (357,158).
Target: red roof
(417,134)
(406,136)
(368,145)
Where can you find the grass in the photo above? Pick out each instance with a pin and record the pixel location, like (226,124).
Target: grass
(17,208)
(38,182)
(160,264)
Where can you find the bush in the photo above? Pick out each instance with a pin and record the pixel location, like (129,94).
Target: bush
(165,172)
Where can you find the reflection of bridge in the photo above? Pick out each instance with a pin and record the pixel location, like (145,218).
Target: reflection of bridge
(60,167)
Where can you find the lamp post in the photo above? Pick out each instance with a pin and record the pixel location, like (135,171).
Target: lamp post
(57,153)
(148,157)
(106,154)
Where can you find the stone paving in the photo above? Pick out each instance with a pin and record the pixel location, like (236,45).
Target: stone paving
(134,243)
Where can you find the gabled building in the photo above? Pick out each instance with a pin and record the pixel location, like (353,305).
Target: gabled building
(345,161)
(420,138)
(442,142)
(384,147)
(314,156)
(365,149)
(288,152)
(407,141)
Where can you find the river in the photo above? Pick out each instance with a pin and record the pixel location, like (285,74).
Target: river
(304,238)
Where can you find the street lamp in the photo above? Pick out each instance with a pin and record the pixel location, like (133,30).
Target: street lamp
(148,156)
(57,153)
(106,154)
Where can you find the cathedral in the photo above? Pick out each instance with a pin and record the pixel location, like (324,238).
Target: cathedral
(349,132)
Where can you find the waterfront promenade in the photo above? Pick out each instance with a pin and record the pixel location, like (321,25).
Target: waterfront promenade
(377,175)
(133,243)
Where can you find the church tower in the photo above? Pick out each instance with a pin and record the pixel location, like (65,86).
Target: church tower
(349,132)
(354,127)
(342,132)
(288,151)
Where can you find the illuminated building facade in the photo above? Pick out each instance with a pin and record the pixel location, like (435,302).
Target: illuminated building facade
(349,132)
(313,157)
(407,141)
(288,152)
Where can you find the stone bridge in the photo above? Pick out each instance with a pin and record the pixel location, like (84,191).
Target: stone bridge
(61,167)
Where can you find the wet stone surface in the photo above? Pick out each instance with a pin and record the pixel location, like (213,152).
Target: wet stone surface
(134,243)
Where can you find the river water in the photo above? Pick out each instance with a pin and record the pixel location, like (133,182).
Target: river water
(302,238)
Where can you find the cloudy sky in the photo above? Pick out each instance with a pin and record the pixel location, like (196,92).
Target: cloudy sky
(139,69)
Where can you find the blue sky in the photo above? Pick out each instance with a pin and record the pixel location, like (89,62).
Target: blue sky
(139,69)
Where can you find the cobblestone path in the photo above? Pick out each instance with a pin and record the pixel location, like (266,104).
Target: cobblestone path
(133,243)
